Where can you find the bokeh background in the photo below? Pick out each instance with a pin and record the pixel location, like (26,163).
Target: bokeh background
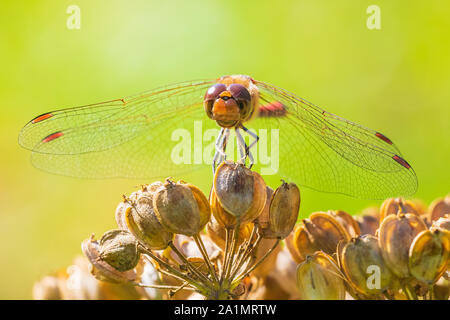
(396,80)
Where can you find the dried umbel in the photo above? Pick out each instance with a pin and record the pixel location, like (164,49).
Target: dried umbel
(237,191)
(319,278)
(142,222)
(363,265)
(439,208)
(396,234)
(429,255)
(119,249)
(181,208)
(397,205)
(283,211)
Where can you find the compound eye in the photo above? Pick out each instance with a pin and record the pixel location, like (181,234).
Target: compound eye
(239,92)
(214,91)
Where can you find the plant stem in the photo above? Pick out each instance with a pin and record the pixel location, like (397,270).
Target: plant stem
(242,276)
(201,246)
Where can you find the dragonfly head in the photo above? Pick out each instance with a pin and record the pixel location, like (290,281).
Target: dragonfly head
(227,104)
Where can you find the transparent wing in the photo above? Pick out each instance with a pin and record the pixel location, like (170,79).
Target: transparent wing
(325,152)
(143,136)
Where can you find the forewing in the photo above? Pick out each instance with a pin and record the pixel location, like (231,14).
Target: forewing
(330,154)
(144,136)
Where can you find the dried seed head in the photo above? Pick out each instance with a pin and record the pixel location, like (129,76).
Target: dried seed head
(239,191)
(319,278)
(397,205)
(303,243)
(363,265)
(180,207)
(429,255)
(283,211)
(102,270)
(118,248)
(144,225)
(326,231)
(439,208)
(396,234)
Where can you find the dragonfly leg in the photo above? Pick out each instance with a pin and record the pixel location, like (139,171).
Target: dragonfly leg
(221,145)
(242,145)
(247,148)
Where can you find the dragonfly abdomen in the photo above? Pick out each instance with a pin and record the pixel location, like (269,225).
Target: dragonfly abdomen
(272,109)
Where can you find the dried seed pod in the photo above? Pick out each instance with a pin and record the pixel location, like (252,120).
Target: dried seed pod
(119,249)
(180,208)
(102,270)
(397,205)
(283,211)
(144,225)
(290,246)
(319,278)
(363,265)
(263,218)
(303,243)
(439,208)
(429,255)
(326,231)
(347,221)
(442,223)
(396,234)
(368,224)
(239,191)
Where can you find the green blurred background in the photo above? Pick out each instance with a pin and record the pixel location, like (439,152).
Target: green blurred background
(396,80)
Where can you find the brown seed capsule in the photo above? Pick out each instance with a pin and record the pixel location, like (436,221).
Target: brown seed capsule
(326,231)
(396,234)
(118,248)
(144,225)
(442,223)
(347,221)
(319,278)
(180,208)
(303,243)
(263,218)
(362,263)
(368,224)
(283,211)
(100,268)
(239,191)
(439,208)
(397,205)
(289,241)
(429,255)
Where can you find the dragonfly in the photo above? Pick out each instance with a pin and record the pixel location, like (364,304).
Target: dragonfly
(184,127)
